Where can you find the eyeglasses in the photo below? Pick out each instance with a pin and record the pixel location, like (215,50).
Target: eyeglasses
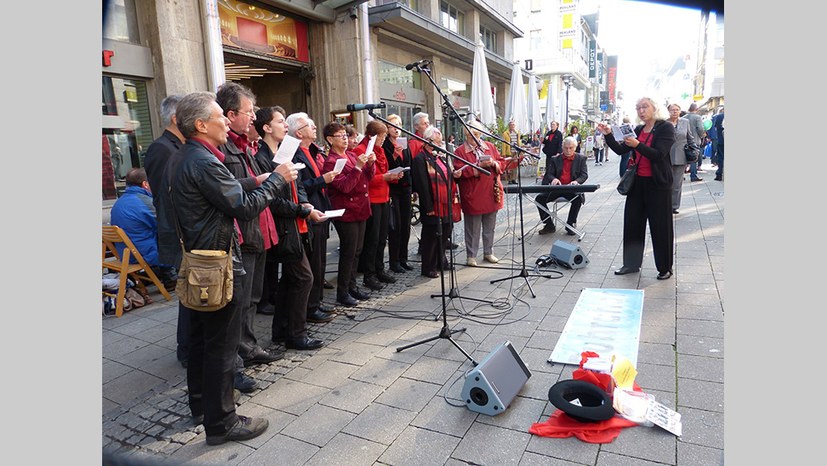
(305,126)
(340,135)
(249,114)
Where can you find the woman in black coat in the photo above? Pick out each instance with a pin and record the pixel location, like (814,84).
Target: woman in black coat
(650,198)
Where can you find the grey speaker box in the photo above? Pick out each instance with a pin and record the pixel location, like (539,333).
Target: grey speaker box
(569,255)
(492,385)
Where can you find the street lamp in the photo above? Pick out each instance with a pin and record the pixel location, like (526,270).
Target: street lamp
(567,80)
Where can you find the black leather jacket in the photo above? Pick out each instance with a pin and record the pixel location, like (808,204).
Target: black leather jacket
(237,162)
(207,198)
(657,151)
(157,156)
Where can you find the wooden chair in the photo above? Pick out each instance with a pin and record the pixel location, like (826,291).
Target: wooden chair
(112,260)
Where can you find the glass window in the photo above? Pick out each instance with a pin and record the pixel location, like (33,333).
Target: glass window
(451,18)
(405,111)
(394,74)
(535,39)
(120,22)
(127,131)
(489,38)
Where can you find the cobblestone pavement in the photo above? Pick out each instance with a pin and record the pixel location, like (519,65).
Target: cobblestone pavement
(360,401)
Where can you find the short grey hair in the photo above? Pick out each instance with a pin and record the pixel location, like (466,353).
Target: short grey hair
(296,121)
(570,140)
(419,117)
(429,132)
(168,106)
(194,106)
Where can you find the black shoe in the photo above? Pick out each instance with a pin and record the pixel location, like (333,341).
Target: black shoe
(664,275)
(696,179)
(261,356)
(278,338)
(431,274)
(245,429)
(319,317)
(183,363)
(547,228)
(371,282)
(303,343)
(385,278)
(347,300)
(675,211)
(569,231)
(453,245)
(624,270)
(358,294)
(267,310)
(325,308)
(396,268)
(328,285)
(244,383)
(718,178)
(406,266)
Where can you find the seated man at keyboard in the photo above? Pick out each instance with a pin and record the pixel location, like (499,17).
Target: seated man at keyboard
(568,168)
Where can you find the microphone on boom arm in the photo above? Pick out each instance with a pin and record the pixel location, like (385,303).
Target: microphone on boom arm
(417,64)
(358,107)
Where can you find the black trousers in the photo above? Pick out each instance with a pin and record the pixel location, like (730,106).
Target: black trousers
(294,287)
(433,246)
(372,259)
(574,206)
(646,203)
(399,235)
(351,237)
(317,258)
(213,350)
(183,333)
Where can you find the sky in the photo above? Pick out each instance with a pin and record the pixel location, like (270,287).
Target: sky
(645,36)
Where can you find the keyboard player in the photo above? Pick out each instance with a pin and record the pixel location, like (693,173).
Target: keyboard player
(568,168)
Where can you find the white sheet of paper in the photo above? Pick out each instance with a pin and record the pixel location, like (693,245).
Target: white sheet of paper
(620,132)
(371,143)
(287,149)
(402,142)
(340,165)
(398,170)
(299,166)
(334,213)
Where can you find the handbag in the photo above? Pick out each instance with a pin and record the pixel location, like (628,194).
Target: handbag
(205,276)
(691,150)
(628,179)
(205,279)
(456,209)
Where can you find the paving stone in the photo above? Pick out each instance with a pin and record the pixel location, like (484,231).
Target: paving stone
(352,395)
(701,368)
(439,416)
(290,396)
(642,444)
(347,449)
(701,394)
(380,423)
(408,394)
(286,449)
(606,458)
(427,369)
(696,454)
(380,371)
(417,446)
(568,449)
(485,444)
(700,346)
(703,428)
(318,424)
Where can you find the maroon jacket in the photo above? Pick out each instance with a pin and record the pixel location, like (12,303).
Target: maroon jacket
(349,190)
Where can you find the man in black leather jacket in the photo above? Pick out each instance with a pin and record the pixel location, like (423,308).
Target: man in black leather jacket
(207,200)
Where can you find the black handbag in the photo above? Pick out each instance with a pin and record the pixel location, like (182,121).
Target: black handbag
(691,150)
(628,179)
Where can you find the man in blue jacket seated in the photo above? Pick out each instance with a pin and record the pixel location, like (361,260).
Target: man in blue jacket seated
(135,214)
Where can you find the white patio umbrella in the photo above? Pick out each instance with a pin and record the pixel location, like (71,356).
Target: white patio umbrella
(515,105)
(482,102)
(551,112)
(533,100)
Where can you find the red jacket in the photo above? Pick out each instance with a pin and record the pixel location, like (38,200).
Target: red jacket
(349,190)
(378,189)
(476,193)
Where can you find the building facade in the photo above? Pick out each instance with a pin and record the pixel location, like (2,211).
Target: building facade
(305,55)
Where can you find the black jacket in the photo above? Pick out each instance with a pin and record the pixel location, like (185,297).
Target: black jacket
(314,186)
(207,198)
(403,185)
(552,144)
(237,162)
(663,137)
(155,164)
(579,170)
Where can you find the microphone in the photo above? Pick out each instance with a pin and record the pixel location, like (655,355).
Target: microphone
(417,64)
(357,107)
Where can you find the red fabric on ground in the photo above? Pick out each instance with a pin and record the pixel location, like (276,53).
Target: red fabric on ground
(561,425)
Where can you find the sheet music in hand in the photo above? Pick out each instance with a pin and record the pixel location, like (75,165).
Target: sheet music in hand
(622,131)
(287,149)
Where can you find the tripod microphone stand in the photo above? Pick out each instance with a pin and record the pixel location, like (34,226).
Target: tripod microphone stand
(446,332)
(523,272)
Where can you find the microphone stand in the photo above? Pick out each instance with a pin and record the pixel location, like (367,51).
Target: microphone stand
(523,272)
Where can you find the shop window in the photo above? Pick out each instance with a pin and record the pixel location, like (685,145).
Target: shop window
(120,22)
(397,75)
(127,131)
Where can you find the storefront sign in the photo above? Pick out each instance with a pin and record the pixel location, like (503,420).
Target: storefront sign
(592,59)
(612,77)
(255,29)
